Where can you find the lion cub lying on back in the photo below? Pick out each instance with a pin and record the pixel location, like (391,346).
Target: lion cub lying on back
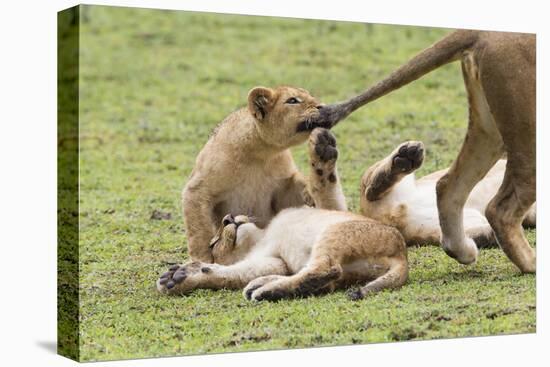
(391,194)
(303,251)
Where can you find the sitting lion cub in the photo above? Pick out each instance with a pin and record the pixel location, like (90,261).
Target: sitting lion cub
(303,251)
(246,166)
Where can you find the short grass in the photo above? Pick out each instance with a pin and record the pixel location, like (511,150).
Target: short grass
(153,84)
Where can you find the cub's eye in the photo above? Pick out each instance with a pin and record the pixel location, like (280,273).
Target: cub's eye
(293,100)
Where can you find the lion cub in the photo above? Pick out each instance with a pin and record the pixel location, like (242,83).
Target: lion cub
(246,166)
(303,251)
(391,194)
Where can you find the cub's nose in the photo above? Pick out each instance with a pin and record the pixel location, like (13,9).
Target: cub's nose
(228,219)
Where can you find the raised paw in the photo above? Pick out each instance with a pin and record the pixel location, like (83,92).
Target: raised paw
(322,145)
(180,279)
(257,283)
(408,157)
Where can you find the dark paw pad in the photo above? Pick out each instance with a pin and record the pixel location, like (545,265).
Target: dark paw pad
(179,275)
(325,146)
(272,295)
(173,276)
(409,157)
(355,294)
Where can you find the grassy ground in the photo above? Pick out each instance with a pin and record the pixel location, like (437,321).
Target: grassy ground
(153,86)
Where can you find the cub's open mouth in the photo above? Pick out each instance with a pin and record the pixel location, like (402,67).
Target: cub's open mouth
(322,119)
(307,126)
(329,115)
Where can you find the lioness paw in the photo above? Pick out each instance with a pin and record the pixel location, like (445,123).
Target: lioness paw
(465,252)
(409,156)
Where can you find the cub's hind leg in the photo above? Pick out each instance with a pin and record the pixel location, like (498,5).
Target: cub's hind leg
(379,179)
(478,229)
(507,210)
(361,241)
(259,282)
(309,281)
(395,277)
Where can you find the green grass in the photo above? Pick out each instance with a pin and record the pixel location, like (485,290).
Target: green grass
(153,84)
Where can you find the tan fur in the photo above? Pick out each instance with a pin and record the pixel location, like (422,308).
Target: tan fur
(246,166)
(390,194)
(303,251)
(499,74)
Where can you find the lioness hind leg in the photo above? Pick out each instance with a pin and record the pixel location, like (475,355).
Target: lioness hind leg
(506,211)
(395,277)
(323,181)
(482,147)
(512,98)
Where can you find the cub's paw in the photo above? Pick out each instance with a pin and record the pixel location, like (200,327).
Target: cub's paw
(272,291)
(483,236)
(355,294)
(180,279)
(322,146)
(257,283)
(409,156)
(323,155)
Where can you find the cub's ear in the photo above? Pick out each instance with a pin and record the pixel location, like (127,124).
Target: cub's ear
(260,102)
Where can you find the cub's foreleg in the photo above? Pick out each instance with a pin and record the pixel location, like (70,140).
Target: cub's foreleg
(198,213)
(182,279)
(323,181)
(383,175)
(293,193)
